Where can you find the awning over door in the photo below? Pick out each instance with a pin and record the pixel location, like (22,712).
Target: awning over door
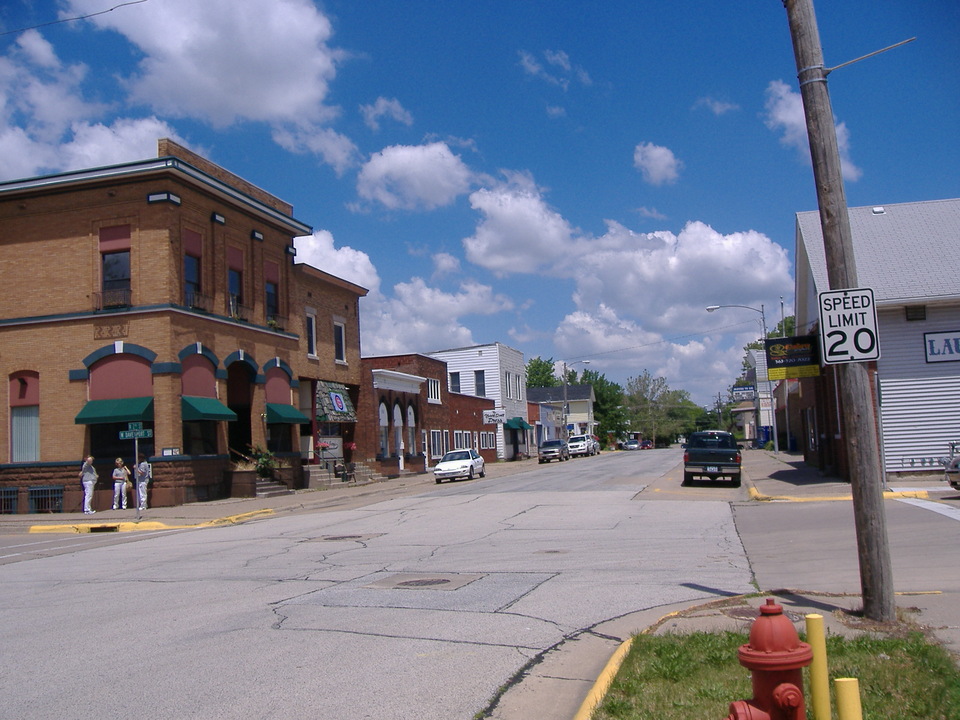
(202,408)
(288,414)
(518,423)
(333,403)
(98,412)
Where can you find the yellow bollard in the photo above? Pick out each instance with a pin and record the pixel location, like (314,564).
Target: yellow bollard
(848,698)
(819,680)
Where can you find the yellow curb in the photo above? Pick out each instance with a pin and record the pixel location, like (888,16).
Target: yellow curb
(602,684)
(889,495)
(144,525)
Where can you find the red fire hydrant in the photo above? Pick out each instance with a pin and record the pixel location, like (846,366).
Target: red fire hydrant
(775,657)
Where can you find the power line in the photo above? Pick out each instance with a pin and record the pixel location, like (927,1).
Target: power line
(71,19)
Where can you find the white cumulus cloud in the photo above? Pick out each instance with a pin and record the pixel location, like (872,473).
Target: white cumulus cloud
(411,177)
(385,107)
(784,114)
(658,164)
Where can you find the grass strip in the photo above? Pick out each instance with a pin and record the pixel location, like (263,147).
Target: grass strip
(678,677)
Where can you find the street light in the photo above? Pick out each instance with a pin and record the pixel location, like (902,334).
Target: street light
(773,405)
(566,409)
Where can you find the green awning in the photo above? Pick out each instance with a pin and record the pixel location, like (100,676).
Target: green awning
(202,408)
(518,423)
(98,412)
(333,403)
(277,413)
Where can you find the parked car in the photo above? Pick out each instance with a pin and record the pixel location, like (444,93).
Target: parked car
(631,445)
(712,454)
(553,450)
(646,445)
(581,445)
(596,444)
(459,464)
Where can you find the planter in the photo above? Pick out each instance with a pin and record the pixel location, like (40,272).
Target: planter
(241,483)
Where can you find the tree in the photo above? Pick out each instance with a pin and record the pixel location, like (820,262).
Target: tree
(540,373)
(608,407)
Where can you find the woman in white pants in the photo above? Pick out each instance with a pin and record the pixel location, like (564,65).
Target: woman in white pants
(120,476)
(143,472)
(88,476)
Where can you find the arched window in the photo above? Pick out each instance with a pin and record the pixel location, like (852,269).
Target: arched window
(384,431)
(397,429)
(25,416)
(411,431)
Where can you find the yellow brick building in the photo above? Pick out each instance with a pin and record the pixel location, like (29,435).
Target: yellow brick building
(161,298)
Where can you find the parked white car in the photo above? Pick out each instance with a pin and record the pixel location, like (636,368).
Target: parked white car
(581,445)
(459,464)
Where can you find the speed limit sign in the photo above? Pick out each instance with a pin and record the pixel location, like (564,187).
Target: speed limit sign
(848,326)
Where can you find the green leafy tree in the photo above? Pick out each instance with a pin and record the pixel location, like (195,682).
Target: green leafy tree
(608,407)
(540,373)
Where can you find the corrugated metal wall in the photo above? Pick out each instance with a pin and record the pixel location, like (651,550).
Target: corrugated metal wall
(920,401)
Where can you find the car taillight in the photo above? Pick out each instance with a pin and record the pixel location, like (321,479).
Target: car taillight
(686,457)
(738,457)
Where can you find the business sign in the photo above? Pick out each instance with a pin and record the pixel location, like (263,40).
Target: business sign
(743,392)
(336,399)
(494,417)
(942,346)
(848,326)
(792,357)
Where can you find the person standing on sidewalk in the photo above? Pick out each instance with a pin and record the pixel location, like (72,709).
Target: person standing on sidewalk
(121,474)
(88,476)
(143,473)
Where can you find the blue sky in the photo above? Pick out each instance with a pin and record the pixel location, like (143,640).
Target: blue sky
(576,180)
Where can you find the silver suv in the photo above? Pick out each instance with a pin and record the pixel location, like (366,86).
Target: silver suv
(553,450)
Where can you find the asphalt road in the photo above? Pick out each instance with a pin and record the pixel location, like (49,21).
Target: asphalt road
(411,602)
(416,606)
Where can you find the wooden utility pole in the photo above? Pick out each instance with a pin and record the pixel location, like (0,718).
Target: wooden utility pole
(863,447)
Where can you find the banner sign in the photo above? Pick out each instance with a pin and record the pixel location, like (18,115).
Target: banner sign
(792,357)
(743,392)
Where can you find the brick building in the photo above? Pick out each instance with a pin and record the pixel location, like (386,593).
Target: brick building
(162,292)
(408,417)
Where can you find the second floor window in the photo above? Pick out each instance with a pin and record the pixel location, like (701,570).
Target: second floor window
(311,323)
(455,382)
(433,390)
(480,383)
(116,270)
(191,278)
(272,299)
(339,342)
(235,285)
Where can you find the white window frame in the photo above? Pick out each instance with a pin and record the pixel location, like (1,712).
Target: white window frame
(436,443)
(25,433)
(340,329)
(433,390)
(311,321)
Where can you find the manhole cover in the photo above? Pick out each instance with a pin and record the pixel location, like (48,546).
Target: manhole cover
(425,582)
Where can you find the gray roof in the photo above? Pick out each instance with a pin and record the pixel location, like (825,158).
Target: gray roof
(555,394)
(908,252)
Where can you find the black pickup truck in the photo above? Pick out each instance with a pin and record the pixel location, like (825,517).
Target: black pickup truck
(712,454)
